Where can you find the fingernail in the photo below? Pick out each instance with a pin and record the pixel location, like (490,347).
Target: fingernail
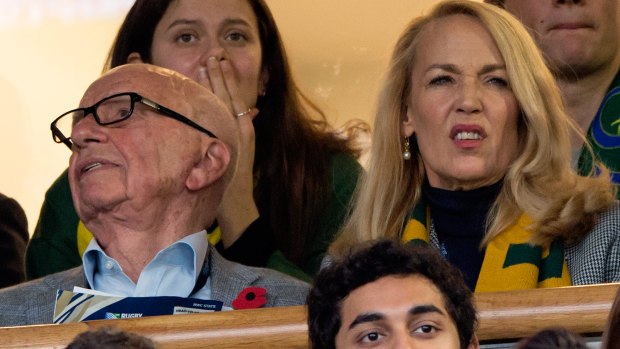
(225,65)
(212,62)
(203,72)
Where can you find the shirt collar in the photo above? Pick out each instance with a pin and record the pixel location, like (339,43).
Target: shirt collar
(172,272)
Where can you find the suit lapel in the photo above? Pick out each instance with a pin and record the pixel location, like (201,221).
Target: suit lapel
(227,279)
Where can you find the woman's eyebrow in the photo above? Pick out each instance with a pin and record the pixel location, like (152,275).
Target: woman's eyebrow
(491,67)
(225,22)
(231,21)
(451,68)
(183,21)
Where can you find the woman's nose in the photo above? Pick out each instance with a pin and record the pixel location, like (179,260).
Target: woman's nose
(213,49)
(469,97)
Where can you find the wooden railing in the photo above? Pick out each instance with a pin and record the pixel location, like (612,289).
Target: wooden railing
(502,315)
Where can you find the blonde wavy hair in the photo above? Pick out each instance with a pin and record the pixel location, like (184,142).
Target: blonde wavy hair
(540,182)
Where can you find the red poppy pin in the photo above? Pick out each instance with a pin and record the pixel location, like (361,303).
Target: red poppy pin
(250,298)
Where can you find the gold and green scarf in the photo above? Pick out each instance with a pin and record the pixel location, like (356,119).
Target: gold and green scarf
(510,262)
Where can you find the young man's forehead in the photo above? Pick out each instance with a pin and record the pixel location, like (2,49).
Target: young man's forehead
(395,288)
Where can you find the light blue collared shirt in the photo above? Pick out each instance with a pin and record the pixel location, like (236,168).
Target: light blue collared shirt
(173,272)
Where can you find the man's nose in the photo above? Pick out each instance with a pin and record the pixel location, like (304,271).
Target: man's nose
(87,131)
(402,340)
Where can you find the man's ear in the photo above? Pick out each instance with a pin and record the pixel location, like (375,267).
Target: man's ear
(407,126)
(134,57)
(211,167)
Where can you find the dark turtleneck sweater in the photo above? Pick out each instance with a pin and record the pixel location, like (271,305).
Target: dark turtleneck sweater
(459,218)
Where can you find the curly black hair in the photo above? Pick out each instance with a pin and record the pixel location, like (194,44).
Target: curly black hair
(110,338)
(384,258)
(553,338)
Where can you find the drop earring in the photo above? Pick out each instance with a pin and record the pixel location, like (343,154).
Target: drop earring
(406,150)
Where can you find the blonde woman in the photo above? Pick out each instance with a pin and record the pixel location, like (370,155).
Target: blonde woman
(471,154)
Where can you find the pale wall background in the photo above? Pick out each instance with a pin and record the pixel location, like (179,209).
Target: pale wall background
(53,49)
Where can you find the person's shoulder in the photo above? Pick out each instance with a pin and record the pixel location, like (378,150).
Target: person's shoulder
(606,229)
(282,290)
(61,280)
(13,218)
(344,163)
(614,208)
(596,258)
(66,279)
(609,220)
(32,302)
(11,206)
(343,171)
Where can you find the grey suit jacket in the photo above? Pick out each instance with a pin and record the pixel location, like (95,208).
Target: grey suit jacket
(33,302)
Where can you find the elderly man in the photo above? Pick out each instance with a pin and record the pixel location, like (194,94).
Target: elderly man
(391,296)
(152,153)
(581,41)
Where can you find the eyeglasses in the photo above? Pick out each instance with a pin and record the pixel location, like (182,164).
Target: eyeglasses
(111,110)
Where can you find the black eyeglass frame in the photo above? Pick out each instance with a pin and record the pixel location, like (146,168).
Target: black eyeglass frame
(59,137)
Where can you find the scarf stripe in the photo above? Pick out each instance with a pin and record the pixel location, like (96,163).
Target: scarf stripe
(510,262)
